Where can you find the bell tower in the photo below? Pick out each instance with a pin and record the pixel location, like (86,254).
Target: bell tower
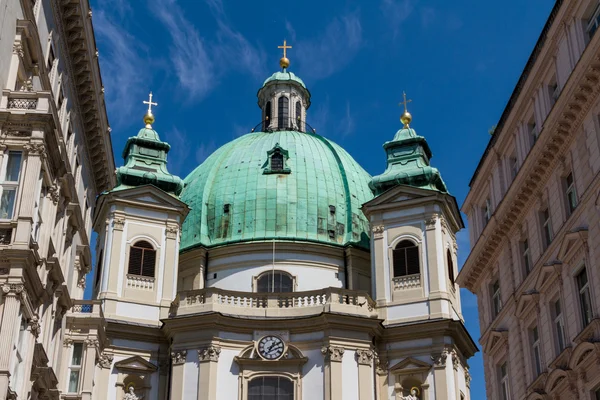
(138,225)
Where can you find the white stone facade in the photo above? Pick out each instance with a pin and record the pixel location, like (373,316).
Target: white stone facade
(534,221)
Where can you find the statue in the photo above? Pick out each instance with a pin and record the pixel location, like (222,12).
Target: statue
(414,393)
(131,395)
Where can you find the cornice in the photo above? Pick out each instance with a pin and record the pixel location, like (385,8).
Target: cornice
(558,132)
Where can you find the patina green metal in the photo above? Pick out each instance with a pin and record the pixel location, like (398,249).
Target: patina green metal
(283,76)
(408,158)
(319,200)
(146,164)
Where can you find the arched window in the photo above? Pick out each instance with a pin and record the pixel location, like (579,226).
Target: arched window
(142,259)
(277,282)
(450,266)
(298,112)
(406,259)
(283,112)
(271,388)
(268,114)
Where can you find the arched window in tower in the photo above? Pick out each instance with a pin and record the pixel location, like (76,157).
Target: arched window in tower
(268,114)
(142,259)
(283,112)
(298,114)
(450,266)
(271,387)
(275,282)
(99,269)
(406,259)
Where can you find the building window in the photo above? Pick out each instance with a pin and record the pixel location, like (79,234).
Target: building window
(533,132)
(283,112)
(20,347)
(496,298)
(298,112)
(487,212)
(277,161)
(514,167)
(594,22)
(275,282)
(535,351)
(504,384)
(11,170)
(271,388)
(268,114)
(546,227)
(142,259)
(406,259)
(99,269)
(450,266)
(75,367)
(597,394)
(526,256)
(559,326)
(570,193)
(553,91)
(585,302)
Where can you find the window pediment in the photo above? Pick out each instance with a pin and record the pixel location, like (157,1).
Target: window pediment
(527,303)
(572,244)
(135,364)
(549,272)
(496,341)
(410,366)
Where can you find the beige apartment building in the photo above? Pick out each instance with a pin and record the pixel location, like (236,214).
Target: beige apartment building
(534,219)
(55,157)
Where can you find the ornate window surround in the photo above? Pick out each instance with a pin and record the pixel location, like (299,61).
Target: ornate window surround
(251,366)
(415,281)
(255,279)
(134,371)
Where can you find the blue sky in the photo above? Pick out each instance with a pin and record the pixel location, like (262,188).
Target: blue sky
(205,60)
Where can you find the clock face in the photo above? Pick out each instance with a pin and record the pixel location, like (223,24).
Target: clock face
(270,347)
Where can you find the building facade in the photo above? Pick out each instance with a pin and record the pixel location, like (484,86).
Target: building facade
(55,157)
(278,269)
(533,212)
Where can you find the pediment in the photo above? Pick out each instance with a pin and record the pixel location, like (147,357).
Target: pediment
(547,274)
(399,194)
(495,341)
(148,194)
(136,364)
(572,241)
(410,364)
(526,303)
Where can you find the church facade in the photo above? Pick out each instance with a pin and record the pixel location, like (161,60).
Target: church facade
(278,269)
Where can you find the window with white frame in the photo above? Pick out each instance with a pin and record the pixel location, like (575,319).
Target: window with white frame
(559,326)
(19,350)
(546,227)
(38,209)
(75,367)
(533,132)
(585,303)
(526,256)
(9,183)
(553,91)
(536,358)
(514,167)
(496,299)
(593,22)
(487,212)
(504,381)
(570,193)
(271,387)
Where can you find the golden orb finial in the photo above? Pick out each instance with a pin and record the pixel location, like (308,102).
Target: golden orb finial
(406,118)
(284,62)
(149,117)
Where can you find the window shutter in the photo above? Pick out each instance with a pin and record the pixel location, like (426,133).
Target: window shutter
(399,262)
(412,260)
(149,261)
(135,261)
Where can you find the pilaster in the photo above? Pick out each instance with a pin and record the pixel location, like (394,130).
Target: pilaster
(89,366)
(12,294)
(34,152)
(364,360)
(178,358)
(439,373)
(333,371)
(208,359)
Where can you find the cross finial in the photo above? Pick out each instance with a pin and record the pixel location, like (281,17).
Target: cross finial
(405,102)
(406,118)
(149,118)
(284,61)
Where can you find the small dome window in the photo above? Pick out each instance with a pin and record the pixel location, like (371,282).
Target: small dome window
(276,161)
(275,282)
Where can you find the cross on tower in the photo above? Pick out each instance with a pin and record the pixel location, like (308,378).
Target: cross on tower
(284,47)
(150,103)
(405,102)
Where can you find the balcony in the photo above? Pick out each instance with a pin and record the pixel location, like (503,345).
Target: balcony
(86,309)
(274,305)
(407,282)
(25,101)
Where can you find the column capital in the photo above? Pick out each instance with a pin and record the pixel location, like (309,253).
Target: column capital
(105,360)
(332,353)
(439,359)
(13,288)
(92,343)
(364,357)
(178,356)
(209,353)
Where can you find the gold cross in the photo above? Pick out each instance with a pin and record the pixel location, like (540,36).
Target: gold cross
(405,102)
(284,47)
(150,104)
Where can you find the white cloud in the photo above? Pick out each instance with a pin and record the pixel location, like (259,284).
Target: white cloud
(332,50)
(347,124)
(180,150)
(396,12)
(125,82)
(193,66)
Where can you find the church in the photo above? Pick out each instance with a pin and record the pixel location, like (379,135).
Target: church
(278,269)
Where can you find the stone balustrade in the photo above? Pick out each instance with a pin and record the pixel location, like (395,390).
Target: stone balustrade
(293,304)
(407,282)
(140,282)
(25,101)
(86,309)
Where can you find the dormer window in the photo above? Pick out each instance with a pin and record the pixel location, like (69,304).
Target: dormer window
(276,160)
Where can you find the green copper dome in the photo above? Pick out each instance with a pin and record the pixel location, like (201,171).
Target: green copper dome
(283,185)
(284,76)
